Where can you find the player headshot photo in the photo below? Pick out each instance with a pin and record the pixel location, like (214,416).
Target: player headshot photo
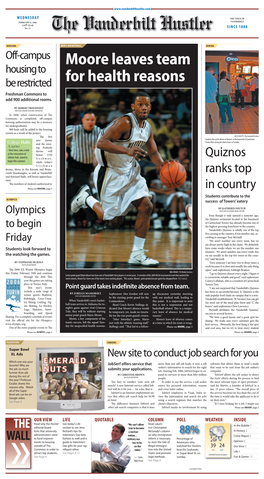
(128,178)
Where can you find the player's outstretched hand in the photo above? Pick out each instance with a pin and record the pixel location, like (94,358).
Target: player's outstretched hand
(136,152)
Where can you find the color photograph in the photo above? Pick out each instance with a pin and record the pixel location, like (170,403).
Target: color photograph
(129,164)
(232,92)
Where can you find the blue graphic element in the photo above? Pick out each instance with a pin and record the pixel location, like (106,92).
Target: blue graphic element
(13,293)
(11,306)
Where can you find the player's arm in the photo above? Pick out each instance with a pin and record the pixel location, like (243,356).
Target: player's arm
(119,130)
(153,151)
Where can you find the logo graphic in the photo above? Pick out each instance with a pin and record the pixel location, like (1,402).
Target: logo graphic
(232,59)
(18,443)
(216,433)
(13,294)
(217,441)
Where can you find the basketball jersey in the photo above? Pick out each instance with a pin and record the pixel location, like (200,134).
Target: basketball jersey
(121,162)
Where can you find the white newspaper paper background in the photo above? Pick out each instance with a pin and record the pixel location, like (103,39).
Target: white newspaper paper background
(109,367)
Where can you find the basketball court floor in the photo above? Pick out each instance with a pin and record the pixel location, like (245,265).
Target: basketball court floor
(112,248)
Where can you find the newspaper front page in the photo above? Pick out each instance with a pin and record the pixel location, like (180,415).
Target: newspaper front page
(132,261)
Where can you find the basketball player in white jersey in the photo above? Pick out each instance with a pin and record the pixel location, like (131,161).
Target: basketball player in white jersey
(117,175)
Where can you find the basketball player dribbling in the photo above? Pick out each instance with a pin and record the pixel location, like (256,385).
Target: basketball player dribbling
(117,175)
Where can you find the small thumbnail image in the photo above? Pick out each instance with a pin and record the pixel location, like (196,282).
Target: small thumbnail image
(70,378)
(217,441)
(232,92)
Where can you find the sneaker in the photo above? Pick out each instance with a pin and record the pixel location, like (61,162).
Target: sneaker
(97,228)
(157,224)
(188,210)
(71,224)
(78,201)
(173,225)
(184,225)
(138,258)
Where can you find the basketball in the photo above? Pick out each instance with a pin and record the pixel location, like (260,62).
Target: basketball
(172,174)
